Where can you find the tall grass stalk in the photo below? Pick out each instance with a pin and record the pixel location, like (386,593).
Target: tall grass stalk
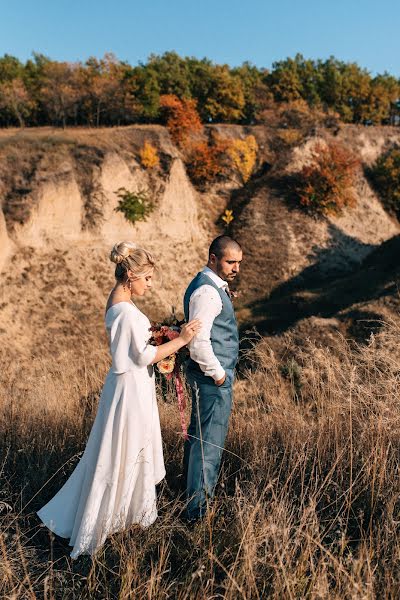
(308,500)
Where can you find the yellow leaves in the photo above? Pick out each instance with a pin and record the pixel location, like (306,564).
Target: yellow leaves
(243,154)
(149,156)
(228,216)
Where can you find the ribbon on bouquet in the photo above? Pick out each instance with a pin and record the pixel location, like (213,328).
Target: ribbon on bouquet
(180,393)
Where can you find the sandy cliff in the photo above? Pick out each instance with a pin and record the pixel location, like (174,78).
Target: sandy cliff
(58,222)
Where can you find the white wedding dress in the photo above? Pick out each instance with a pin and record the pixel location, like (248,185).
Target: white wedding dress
(113,485)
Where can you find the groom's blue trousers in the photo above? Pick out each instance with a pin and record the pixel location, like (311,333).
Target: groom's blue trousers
(211,409)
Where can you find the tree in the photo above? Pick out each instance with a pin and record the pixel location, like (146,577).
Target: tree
(144,83)
(10,68)
(106,93)
(257,95)
(226,100)
(172,74)
(59,91)
(182,118)
(284,80)
(15,99)
(383,101)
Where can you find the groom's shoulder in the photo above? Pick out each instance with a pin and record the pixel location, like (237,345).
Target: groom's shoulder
(199,279)
(199,284)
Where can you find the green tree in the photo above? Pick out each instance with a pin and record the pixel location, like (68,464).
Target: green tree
(385,177)
(284,80)
(226,99)
(172,73)
(257,95)
(144,84)
(10,68)
(384,98)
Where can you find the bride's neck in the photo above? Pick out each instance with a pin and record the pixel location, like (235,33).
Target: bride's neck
(121,291)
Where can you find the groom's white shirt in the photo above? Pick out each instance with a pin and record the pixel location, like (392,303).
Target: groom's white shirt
(205,304)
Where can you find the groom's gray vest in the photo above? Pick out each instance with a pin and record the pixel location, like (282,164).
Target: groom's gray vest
(224,332)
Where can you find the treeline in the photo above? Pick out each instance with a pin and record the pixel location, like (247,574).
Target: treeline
(110,92)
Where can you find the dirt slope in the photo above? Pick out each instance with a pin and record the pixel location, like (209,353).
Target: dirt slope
(58,222)
(356,304)
(283,243)
(56,274)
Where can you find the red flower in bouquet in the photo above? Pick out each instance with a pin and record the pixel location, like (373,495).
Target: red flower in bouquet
(170,367)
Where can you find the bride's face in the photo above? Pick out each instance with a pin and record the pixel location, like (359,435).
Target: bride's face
(140,285)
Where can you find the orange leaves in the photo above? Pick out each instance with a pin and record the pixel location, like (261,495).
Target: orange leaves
(219,157)
(207,161)
(182,118)
(326,185)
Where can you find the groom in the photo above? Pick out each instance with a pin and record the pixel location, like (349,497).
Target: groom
(210,370)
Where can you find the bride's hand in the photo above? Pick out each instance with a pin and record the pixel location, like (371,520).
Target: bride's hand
(189,330)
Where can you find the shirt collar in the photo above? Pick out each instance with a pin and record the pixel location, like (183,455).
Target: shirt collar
(216,278)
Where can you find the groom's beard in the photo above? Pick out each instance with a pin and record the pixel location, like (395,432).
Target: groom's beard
(231,276)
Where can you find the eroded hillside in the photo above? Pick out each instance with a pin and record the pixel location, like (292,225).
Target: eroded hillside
(58,222)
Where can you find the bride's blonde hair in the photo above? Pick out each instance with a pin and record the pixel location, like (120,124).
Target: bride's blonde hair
(129,257)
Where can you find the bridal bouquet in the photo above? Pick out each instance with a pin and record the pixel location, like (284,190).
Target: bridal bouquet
(170,366)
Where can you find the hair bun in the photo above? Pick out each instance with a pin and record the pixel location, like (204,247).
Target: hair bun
(121,250)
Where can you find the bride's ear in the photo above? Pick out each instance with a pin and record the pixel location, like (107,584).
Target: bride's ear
(129,274)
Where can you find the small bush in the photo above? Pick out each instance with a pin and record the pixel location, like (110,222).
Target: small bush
(149,156)
(290,137)
(326,185)
(135,206)
(385,177)
(208,161)
(243,154)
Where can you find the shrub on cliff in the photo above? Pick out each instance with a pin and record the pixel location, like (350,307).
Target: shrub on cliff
(207,161)
(149,156)
(385,177)
(135,206)
(243,154)
(326,184)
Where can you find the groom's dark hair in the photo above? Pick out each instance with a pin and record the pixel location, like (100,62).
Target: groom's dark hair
(220,244)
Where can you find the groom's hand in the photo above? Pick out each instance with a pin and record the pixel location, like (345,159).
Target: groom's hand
(220,381)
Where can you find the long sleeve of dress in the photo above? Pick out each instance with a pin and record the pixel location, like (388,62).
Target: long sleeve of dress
(129,341)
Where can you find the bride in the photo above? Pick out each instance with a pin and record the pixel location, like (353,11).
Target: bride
(113,485)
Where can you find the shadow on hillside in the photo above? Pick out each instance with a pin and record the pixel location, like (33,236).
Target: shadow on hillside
(311,294)
(240,197)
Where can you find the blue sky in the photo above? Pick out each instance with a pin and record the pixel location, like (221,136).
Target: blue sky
(365,31)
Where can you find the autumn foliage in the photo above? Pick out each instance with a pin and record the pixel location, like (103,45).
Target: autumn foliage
(243,154)
(182,118)
(207,161)
(326,184)
(107,91)
(149,156)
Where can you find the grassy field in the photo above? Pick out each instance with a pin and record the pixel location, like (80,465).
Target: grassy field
(307,505)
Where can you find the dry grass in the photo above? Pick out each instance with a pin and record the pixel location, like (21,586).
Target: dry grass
(308,501)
